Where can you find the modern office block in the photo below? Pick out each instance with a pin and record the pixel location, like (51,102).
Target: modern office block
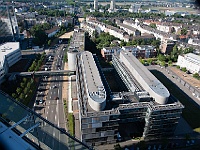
(147,110)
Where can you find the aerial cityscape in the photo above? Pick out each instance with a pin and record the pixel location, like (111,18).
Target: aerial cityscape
(99,74)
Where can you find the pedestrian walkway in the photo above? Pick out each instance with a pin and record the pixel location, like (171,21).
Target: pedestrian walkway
(70,96)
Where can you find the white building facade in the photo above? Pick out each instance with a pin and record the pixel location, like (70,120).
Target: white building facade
(190,61)
(9,54)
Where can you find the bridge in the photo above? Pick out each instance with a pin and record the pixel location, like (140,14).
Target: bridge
(44,73)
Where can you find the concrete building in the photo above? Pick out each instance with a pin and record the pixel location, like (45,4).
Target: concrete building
(77,45)
(112,6)
(95,4)
(190,61)
(9,30)
(147,110)
(9,54)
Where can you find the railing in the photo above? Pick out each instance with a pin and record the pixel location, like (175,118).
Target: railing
(46,135)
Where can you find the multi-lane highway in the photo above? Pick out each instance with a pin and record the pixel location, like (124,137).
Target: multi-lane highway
(48,101)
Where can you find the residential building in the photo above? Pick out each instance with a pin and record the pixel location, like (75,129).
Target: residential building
(193,41)
(107,52)
(51,32)
(189,61)
(10,53)
(9,30)
(130,30)
(141,51)
(167,46)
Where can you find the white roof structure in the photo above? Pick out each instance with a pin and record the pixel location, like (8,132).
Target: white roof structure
(6,49)
(94,85)
(193,58)
(146,79)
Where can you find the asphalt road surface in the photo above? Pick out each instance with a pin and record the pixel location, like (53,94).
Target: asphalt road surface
(49,99)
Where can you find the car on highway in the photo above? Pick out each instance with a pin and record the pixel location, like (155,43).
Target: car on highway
(37,102)
(40,101)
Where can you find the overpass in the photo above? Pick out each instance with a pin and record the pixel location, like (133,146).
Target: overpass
(44,73)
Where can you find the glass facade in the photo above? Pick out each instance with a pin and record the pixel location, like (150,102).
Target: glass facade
(45,135)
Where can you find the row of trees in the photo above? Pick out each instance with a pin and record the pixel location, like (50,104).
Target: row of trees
(125,15)
(153,42)
(25,91)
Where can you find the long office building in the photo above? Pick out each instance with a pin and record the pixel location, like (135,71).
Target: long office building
(147,110)
(9,30)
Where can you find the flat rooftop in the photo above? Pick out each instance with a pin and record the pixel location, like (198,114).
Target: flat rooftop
(92,76)
(6,49)
(146,75)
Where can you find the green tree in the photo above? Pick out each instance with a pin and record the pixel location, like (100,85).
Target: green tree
(196,75)
(14,95)
(18,90)
(161,57)
(153,25)
(184,69)
(184,31)
(21,96)
(22,84)
(117,147)
(29,85)
(26,90)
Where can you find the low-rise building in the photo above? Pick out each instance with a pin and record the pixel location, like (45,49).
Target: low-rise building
(107,52)
(9,54)
(142,51)
(190,61)
(51,32)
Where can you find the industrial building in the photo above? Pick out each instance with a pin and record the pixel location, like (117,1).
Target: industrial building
(147,110)
(9,54)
